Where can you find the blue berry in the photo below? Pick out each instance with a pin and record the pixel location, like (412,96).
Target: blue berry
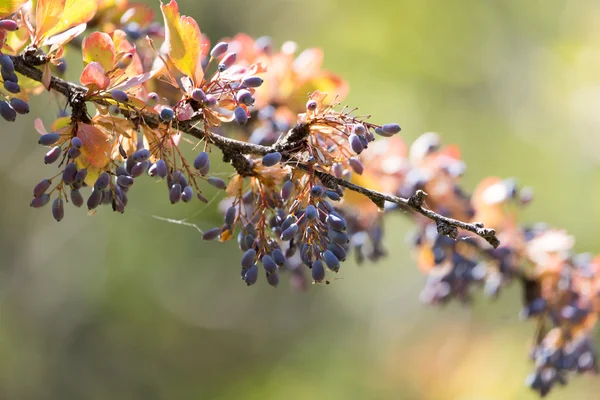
(217,182)
(6,63)
(271,159)
(7,112)
(251,275)
(102,182)
(245,97)
(198,95)
(49,138)
(175,193)
(69,173)
(248,258)
(219,49)
(318,271)
(167,114)
(119,96)
(41,187)
(355,143)
(227,61)
(202,162)
(273,279)
(41,201)
(94,200)
(286,190)
(230,215)
(12,87)
(311,212)
(289,233)
(141,155)
(390,129)
(253,81)
(52,155)
(58,209)
(331,261)
(268,263)
(316,191)
(76,142)
(187,194)
(76,198)
(240,115)
(19,105)
(211,234)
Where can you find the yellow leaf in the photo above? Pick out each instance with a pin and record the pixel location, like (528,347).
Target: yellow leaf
(8,7)
(99,47)
(183,40)
(75,12)
(47,15)
(95,145)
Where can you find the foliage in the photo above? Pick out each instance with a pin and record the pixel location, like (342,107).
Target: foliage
(310,179)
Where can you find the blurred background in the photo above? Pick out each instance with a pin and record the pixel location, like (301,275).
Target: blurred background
(132,307)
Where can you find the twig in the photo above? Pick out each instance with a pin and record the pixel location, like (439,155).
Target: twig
(234,151)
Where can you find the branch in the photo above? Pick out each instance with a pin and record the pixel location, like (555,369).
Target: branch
(233,150)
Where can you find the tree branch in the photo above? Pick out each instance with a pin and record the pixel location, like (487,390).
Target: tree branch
(233,151)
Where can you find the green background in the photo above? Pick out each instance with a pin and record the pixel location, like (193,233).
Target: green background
(131,307)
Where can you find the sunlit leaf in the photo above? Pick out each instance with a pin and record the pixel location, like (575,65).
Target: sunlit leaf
(96,146)
(65,36)
(183,40)
(75,12)
(8,7)
(94,77)
(48,14)
(99,47)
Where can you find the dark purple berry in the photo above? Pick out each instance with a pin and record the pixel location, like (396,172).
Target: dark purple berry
(103,181)
(198,95)
(94,200)
(161,168)
(333,195)
(80,176)
(41,201)
(336,222)
(240,115)
(278,257)
(49,139)
(253,81)
(217,182)
(356,165)
(41,187)
(248,258)
(271,159)
(141,155)
(311,212)
(227,61)
(337,236)
(76,198)
(76,142)
(355,143)
(69,173)
(219,49)
(139,168)
(187,194)
(318,271)
(124,180)
(6,63)
(337,250)
(52,155)
(245,97)
(7,112)
(202,162)
(9,25)
(58,209)
(269,264)
(251,275)
(211,234)
(390,129)
(167,114)
(289,233)
(311,105)
(230,215)
(73,153)
(273,279)
(317,191)
(12,87)
(19,105)
(175,193)
(119,96)
(331,261)
(152,99)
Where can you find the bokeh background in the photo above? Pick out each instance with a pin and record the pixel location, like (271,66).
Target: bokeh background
(132,307)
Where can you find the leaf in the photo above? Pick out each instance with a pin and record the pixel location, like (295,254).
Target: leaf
(99,47)
(75,12)
(8,7)
(95,145)
(94,77)
(66,36)
(46,76)
(47,16)
(183,40)
(137,80)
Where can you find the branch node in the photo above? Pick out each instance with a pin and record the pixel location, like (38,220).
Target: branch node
(446,229)
(416,201)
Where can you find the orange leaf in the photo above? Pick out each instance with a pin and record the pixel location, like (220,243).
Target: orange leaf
(75,12)
(8,7)
(47,15)
(93,77)
(95,145)
(99,47)
(183,41)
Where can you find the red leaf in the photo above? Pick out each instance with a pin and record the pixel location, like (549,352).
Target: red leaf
(93,77)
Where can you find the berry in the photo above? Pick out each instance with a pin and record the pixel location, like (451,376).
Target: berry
(102,182)
(52,155)
(253,81)
(175,193)
(69,173)
(167,114)
(331,261)
(187,194)
(241,117)
(124,181)
(141,155)
(230,215)
(217,182)
(94,199)
(271,159)
(251,275)
(41,187)
(273,279)
(76,198)
(41,201)
(219,49)
(227,61)
(211,234)
(356,165)
(80,176)
(316,191)
(244,96)
(6,63)
(269,264)
(119,96)
(198,95)
(125,61)
(336,222)
(390,129)
(355,143)
(139,168)
(12,87)
(152,99)
(7,112)
(248,258)
(311,212)
(58,209)
(133,30)
(19,105)
(9,25)
(161,168)
(73,153)
(317,271)
(311,105)
(289,233)
(286,190)
(49,138)
(202,162)
(76,142)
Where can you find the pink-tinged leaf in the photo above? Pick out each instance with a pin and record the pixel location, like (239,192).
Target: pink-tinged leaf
(75,12)
(137,80)
(99,47)
(8,7)
(38,124)
(122,46)
(185,112)
(94,77)
(183,40)
(47,16)
(96,146)
(66,36)
(46,76)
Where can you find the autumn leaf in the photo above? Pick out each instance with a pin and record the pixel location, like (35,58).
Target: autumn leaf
(8,7)
(94,77)
(47,15)
(96,146)
(183,40)
(73,12)
(99,47)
